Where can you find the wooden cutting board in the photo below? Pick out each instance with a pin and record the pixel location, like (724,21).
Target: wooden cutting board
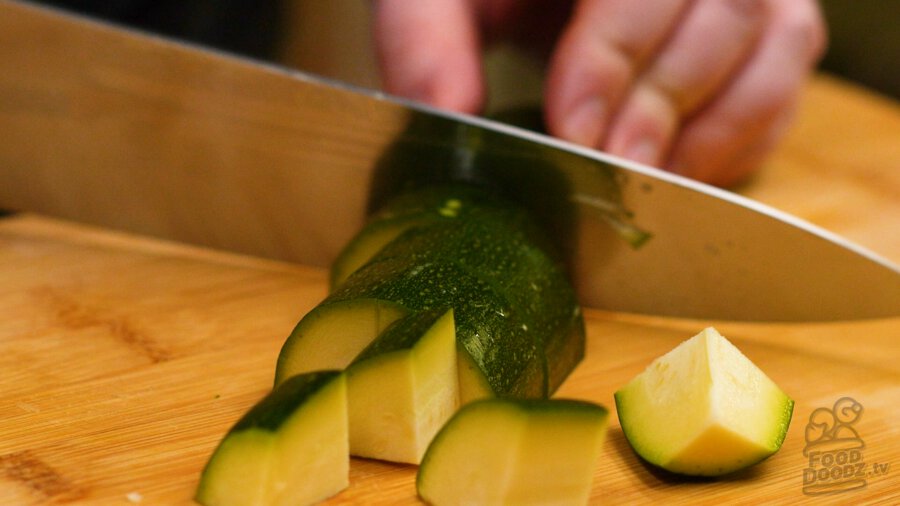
(124,360)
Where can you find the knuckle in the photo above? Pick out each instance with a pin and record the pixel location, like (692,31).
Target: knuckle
(804,26)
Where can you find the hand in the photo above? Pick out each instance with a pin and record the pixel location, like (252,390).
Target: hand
(703,88)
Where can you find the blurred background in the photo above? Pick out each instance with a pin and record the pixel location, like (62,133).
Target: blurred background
(332,38)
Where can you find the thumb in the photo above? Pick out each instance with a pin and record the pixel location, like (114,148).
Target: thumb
(430,51)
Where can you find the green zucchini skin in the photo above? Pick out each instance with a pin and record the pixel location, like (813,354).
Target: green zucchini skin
(516,313)
(403,334)
(429,206)
(272,411)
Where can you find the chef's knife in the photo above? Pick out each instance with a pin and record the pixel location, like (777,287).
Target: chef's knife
(131,131)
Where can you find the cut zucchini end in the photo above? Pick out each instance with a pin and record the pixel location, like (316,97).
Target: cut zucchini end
(333,334)
(504,451)
(704,409)
(403,393)
(291,448)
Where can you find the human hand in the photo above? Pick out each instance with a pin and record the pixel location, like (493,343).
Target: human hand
(703,88)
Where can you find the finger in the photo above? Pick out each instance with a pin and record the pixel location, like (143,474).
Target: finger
(715,38)
(752,112)
(430,51)
(710,43)
(596,59)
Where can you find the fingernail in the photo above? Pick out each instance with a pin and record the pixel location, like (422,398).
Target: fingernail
(584,125)
(644,151)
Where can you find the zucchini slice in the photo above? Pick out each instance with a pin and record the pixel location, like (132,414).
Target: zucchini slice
(506,451)
(403,388)
(290,449)
(703,409)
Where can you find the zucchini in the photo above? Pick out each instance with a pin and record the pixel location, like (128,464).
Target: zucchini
(517,318)
(408,210)
(505,451)
(403,387)
(290,449)
(704,409)
(466,272)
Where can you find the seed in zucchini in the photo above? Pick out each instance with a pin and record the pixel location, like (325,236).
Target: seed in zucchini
(704,409)
(403,387)
(290,449)
(333,334)
(506,451)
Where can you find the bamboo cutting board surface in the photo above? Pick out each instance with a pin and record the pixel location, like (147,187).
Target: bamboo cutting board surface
(124,360)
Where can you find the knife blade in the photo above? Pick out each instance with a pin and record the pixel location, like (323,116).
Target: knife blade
(131,131)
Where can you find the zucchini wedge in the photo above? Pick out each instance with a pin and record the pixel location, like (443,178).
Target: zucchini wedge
(403,388)
(704,409)
(506,451)
(290,449)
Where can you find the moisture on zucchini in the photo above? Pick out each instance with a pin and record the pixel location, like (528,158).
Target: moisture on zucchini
(290,449)
(403,387)
(704,409)
(505,451)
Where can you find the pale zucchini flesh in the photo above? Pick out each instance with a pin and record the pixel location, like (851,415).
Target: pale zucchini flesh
(403,388)
(508,451)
